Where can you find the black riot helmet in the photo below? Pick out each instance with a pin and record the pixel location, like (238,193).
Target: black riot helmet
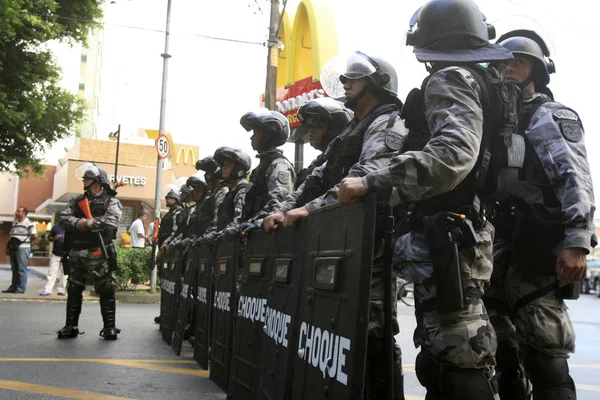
(242,160)
(195,183)
(382,77)
(210,167)
(173,195)
(274,125)
(185,193)
(328,111)
(529,43)
(453,31)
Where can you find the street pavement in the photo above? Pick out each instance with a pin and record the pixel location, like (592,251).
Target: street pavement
(34,364)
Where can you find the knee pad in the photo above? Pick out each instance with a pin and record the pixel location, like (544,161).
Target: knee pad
(106,291)
(465,384)
(74,290)
(549,375)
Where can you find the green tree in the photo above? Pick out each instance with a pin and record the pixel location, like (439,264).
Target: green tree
(35,111)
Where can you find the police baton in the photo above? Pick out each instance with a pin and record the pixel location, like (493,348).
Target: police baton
(84,205)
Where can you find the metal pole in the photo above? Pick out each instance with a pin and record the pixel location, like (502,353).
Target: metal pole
(272,56)
(161,130)
(117,157)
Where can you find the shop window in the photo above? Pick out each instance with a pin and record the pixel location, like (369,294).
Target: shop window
(40,247)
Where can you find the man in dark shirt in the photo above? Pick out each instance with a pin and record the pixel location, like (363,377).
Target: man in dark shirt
(55,267)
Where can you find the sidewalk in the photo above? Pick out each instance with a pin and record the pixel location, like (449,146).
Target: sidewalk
(36,280)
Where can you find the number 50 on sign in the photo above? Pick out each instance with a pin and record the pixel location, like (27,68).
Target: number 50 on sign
(162,146)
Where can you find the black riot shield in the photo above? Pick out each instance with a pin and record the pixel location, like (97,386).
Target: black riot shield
(334,303)
(167,319)
(182,307)
(204,289)
(165,285)
(223,308)
(281,313)
(250,316)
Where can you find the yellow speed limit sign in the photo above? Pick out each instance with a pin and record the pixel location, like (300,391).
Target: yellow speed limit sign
(162,146)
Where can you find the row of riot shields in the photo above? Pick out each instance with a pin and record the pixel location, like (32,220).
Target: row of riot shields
(280,316)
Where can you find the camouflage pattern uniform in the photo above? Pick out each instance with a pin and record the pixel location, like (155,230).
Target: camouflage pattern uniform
(268,192)
(89,261)
(466,338)
(556,136)
(218,195)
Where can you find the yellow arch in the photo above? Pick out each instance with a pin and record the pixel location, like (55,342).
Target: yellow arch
(313,41)
(285,35)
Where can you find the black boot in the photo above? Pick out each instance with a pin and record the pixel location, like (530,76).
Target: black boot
(108,309)
(73,310)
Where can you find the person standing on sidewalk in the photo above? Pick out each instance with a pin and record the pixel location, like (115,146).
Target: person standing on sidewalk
(21,234)
(138,232)
(56,268)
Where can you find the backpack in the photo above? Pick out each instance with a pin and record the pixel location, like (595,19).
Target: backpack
(501,103)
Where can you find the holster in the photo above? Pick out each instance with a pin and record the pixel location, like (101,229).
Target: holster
(446,234)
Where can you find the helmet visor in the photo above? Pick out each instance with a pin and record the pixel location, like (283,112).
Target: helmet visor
(87,170)
(343,67)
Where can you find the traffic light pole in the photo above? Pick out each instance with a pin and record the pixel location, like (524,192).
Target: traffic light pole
(161,130)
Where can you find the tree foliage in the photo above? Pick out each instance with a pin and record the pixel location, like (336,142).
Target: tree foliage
(35,111)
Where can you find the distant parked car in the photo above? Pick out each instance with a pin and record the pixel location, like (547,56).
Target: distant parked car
(592,280)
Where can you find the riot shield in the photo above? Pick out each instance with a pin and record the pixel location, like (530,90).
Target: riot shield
(182,307)
(223,308)
(334,303)
(167,319)
(250,315)
(281,314)
(165,285)
(204,289)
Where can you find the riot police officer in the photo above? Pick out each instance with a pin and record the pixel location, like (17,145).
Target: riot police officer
(545,231)
(367,143)
(201,214)
(92,254)
(235,165)
(217,187)
(274,177)
(325,118)
(447,251)
(187,202)
(168,221)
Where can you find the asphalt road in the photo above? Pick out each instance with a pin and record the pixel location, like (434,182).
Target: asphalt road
(36,365)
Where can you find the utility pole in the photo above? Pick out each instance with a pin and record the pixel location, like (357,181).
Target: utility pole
(272,56)
(161,130)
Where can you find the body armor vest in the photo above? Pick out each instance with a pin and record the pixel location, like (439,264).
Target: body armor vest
(343,152)
(257,195)
(88,239)
(533,172)
(166,225)
(500,103)
(203,216)
(227,207)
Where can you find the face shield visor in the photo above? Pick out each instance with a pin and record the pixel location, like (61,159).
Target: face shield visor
(341,68)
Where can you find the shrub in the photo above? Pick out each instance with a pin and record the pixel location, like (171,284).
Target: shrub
(134,267)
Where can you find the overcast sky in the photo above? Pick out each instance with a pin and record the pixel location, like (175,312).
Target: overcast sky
(211,83)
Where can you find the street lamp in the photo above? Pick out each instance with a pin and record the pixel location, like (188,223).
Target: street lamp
(116,136)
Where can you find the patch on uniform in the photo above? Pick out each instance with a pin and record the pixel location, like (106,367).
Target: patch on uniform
(283,177)
(569,125)
(393,140)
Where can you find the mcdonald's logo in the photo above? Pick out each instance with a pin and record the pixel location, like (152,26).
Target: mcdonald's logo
(308,44)
(187,152)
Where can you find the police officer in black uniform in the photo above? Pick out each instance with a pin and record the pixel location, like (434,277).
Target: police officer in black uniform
(168,221)
(92,254)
